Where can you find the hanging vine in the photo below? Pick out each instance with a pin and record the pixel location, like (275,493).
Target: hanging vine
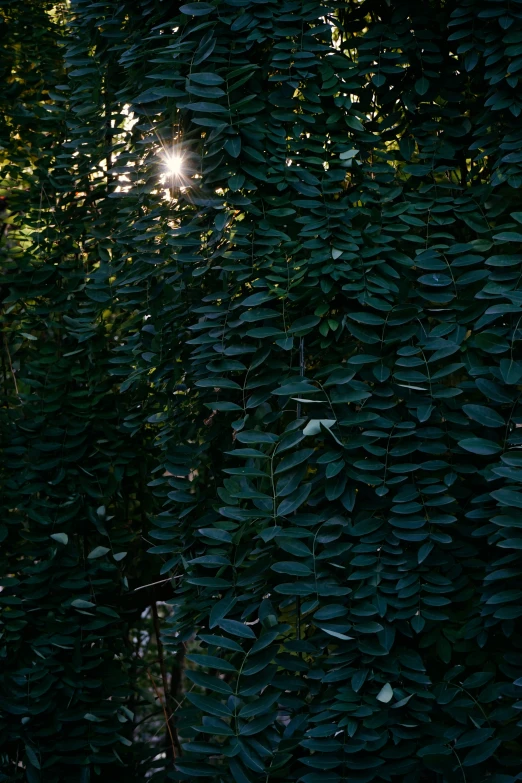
(262,392)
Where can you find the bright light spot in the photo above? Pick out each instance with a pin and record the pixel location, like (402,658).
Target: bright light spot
(174,176)
(174,164)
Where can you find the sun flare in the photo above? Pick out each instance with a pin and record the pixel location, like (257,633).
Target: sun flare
(174,164)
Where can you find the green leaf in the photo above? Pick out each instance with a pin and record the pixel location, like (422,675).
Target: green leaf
(336,634)
(220,610)
(299,387)
(255,436)
(221,642)
(196,9)
(385,694)
(32,757)
(508,497)
(216,534)
(236,628)
(62,538)
(474,737)
(354,123)
(207,681)
(424,551)
(294,501)
(294,459)
(205,78)
(292,568)
(233,146)
(314,426)
(479,754)
(486,416)
(422,86)
(98,551)
(209,705)
(210,561)
(358,679)
(304,324)
(508,236)
(211,662)
(259,706)
(238,773)
(480,446)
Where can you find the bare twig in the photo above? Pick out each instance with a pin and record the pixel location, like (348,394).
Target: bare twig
(171,730)
(152,584)
(158,696)
(6,346)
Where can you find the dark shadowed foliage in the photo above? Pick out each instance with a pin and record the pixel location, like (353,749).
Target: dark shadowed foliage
(261,283)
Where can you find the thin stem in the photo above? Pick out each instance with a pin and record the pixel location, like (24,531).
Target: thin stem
(172,731)
(6,346)
(165,713)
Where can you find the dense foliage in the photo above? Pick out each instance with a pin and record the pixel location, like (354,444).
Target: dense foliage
(275,393)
